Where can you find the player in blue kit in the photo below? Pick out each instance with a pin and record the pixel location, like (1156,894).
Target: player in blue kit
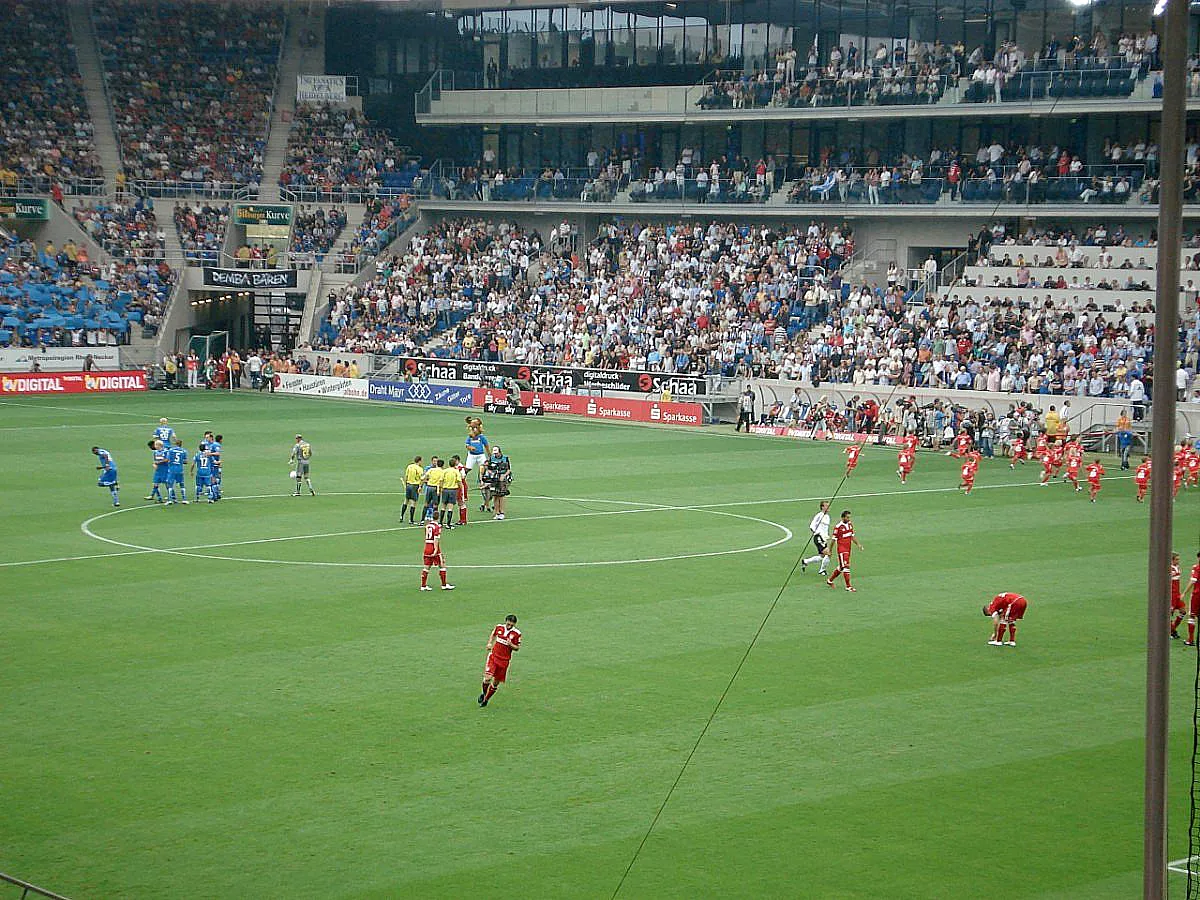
(177,458)
(164,433)
(162,476)
(212,446)
(203,467)
(108,474)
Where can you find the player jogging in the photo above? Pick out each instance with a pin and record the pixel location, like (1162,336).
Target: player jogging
(1019,453)
(108,474)
(162,476)
(1006,611)
(904,464)
(1074,454)
(1094,473)
(1178,610)
(432,555)
(969,468)
(819,528)
(413,473)
(852,452)
(962,444)
(177,458)
(1194,603)
(504,641)
(843,535)
(1141,478)
(1047,467)
(299,459)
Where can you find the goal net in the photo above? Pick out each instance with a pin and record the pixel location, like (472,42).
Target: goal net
(209,346)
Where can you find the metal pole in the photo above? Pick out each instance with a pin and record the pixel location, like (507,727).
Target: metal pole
(1166,351)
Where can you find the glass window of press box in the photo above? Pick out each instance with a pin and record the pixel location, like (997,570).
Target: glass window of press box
(680,42)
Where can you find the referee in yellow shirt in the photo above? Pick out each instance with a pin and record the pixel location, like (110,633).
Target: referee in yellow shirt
(449,482)
(433,488)
(412,490)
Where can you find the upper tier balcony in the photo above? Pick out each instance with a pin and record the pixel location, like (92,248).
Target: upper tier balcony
(1090,86)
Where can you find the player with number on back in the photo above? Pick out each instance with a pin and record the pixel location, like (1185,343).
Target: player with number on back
(177,458)
(819,528)
(1094,473)
(300,460)
(1006,610)
(904,464)
(432,555)
(504,641)
(108,474)
(843,537)
(1141,478)
(852,453)
(1019,453)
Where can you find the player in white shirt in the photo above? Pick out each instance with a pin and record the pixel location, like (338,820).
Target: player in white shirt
(819,526)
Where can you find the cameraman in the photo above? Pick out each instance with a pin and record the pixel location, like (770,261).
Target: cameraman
(497,476)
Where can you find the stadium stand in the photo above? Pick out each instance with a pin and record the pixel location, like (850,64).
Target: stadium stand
(46,134)
(201,230)
(191,84)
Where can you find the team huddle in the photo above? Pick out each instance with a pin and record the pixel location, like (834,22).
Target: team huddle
(169,458)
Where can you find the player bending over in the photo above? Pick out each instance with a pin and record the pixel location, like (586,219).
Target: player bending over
(299,459)
(843,536)
(108,474)
(1006,610)
(433,553)
(819,527)
(504,641)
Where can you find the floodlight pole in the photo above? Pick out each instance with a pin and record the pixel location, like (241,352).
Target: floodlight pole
(1166,353)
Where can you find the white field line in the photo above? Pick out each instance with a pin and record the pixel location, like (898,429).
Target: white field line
(645,507)
(1180,866)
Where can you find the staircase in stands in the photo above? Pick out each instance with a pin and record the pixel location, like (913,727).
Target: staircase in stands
(88,55)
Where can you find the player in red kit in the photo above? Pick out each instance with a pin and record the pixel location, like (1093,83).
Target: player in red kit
(1055,452)
(1178,610)
(1074,455)
(1047,466)
(910,442)
(1192,464)
(905,464)
(1019,454)
(1141,478)
(504,641)
(463,502)
(1006,611)
(1094,473)
(962,444)
(1040,449)
(1177,483)
(852,453)
(969,468)
(843,535)
(433,553)
(1194,605)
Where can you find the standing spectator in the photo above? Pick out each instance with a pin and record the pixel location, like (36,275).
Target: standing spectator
(745,410)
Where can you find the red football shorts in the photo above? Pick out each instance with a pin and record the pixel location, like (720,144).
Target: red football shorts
(433,559)
(1177,600)
(495,669)
(1072,471)
(907,470)
(843,559)
(1094,484)
(1015,611)
(1194,609)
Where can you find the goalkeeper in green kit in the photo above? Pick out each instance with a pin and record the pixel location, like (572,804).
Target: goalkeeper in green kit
(300,459)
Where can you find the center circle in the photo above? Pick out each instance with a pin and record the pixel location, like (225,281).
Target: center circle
(626,507)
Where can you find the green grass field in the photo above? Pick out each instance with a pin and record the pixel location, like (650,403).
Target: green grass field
(276,711)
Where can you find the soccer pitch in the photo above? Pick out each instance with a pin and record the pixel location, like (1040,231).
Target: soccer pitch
(253,699)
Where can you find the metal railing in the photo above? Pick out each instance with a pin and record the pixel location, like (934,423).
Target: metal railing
(208,190)
(44,185)
(27,888)
(740,90)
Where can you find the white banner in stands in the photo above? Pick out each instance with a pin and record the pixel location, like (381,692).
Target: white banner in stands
(58,359)
(322,386)
(320,88)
